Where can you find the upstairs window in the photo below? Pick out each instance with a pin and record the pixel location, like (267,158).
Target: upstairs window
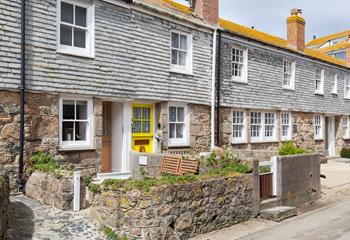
(239,64)
(178,126)
(181,49)
(238,127)
(346,128)
(335,84)
(286,126)
(347,87)
(318,127)
(288,74)
(319,81)
(76,123)
(75,28)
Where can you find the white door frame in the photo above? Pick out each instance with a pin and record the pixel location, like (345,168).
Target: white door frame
(331,136)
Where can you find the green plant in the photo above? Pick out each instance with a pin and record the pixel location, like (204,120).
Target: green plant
(93,187)
(87,180)
(345,153)
(288,148)
(44,162)
(265,169)
(110,234)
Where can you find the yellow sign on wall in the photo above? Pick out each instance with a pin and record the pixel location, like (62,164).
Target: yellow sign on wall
(142,128)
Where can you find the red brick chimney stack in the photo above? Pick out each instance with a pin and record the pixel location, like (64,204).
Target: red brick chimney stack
(296,29)
(208,10)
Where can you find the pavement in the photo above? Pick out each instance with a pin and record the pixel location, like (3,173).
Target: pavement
(328,218)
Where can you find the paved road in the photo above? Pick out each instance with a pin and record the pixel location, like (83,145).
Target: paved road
(328,219)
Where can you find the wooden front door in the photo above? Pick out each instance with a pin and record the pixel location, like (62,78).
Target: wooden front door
(107,137)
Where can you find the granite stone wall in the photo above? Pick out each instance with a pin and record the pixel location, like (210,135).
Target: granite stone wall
(177,211)
(4,201)
(41,132)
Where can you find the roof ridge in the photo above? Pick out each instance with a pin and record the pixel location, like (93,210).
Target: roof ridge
(324,39)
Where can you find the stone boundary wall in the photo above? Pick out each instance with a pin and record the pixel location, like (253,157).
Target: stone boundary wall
(4,201)
(47,189)
(298,179)
(177,211)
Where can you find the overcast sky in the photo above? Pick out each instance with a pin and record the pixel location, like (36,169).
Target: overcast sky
(323,17)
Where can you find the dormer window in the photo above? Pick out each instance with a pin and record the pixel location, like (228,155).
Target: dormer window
(75,28)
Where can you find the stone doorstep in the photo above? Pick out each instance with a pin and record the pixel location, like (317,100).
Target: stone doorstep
(270,203)
(278,214)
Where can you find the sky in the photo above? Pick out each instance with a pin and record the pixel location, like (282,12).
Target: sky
(323,17)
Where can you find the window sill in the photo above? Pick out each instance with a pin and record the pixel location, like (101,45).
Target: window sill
(179,71)
(319,93)
(265,141)
(72,149)
(179,145)
(286,139)
(334,93)
(289,88)
(239,142)
(239,81)
(318,139)
(347,98)
(75,54)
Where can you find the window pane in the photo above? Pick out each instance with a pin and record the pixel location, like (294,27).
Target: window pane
(172,114)
(182,58)
(179,130)
(80,16)
(137,113)
(174,56)
(79,38)
(66,35)
(180,114)
(66,12)
(175,40)
(172,130)
(137,127)
(80,131)
(146,127)
(81,110)
(67,131)
(68,109)
(146,113)
(183,42)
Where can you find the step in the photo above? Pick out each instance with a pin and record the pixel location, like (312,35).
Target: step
(270,203)
(278,214)
(113,175)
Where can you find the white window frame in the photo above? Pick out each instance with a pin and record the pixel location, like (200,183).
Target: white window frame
(321,135)
(335,85)
(244,77)
(346,92)
(346,133)
(89,50)
(321,90)
(180,142)
(188,69)
(291,86)
(262,137)
(290,126)
(243,139)
(77,145)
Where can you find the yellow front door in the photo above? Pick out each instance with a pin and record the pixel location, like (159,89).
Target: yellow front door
(142,128)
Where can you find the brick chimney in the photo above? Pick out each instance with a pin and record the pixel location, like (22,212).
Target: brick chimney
(208,10)
(296,29)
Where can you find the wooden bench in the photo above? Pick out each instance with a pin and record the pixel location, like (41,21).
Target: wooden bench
(176,165)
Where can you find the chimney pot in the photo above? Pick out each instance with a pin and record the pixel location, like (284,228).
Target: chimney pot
(296,29)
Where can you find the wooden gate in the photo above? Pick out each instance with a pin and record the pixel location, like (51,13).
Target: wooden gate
(266,180)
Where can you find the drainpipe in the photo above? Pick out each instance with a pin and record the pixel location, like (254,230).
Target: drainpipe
(20,181)
(212,145)
(218,88)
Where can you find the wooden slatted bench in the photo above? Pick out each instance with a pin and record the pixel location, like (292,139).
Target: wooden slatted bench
(175,165)
(188,166)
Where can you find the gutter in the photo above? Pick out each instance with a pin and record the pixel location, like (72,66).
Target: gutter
(218,92)
(20,181)
(212,135)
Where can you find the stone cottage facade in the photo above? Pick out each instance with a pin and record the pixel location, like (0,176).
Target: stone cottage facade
(274,90)
(104,78)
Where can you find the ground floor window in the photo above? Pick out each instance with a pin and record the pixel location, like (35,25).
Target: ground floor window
(263,126)
(346,128)
(318,127)
(178,124)
(238,127)
(76,122)
(286,126)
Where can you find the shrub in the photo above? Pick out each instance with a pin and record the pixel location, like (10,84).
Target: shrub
(345,153)
(288,148)
(44,162)
(111,235)
(265,169)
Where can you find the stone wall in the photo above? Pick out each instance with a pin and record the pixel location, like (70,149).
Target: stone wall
(49,190)
(177,211)
(4,201)
(41,132)
(298,179)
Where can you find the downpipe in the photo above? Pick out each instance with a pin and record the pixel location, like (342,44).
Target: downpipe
(212,140)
